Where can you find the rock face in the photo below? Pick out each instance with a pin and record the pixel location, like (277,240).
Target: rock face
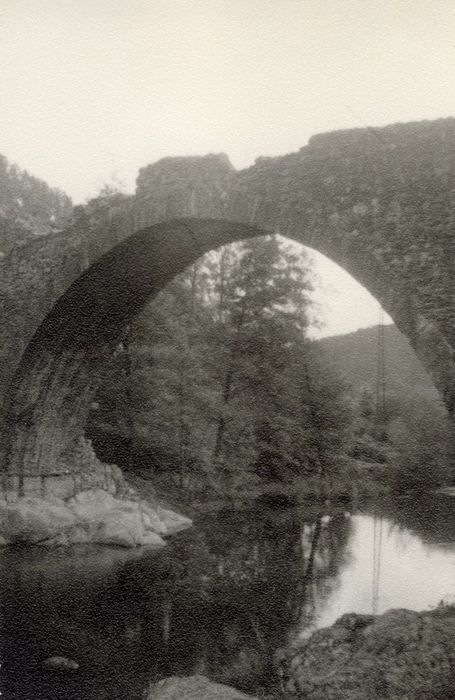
(193,688)
(92,516)
(401,655)
(64,481)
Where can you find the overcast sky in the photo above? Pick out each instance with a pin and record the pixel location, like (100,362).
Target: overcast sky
(91,90)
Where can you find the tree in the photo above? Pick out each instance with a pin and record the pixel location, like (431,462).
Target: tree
(28,207)
(423,437)
(216,381)
(263,301)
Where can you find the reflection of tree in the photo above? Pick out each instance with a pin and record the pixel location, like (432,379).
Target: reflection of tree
(324,549)
(317,529)
(431,517)
(225,596)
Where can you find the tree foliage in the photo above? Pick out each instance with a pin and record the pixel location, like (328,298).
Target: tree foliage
(28,206)
(423,438)
(216,381)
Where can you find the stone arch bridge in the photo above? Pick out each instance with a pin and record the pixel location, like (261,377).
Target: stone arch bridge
(379,202)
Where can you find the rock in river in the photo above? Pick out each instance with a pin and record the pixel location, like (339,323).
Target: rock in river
(400,655)
(193,688)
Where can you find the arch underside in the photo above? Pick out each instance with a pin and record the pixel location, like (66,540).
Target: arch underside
(50,395)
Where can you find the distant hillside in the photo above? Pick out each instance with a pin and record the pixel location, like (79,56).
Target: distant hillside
(355,357)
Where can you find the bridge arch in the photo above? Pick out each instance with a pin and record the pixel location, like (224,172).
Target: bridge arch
(379,202)
(51,393)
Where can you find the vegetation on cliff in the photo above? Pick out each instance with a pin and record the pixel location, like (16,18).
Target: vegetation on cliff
(28,207)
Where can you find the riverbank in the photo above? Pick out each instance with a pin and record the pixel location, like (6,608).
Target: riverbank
(360,482)
(135,515)
(400,655)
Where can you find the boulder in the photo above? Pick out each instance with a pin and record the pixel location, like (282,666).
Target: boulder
(91,516)
(80,533)
(34,520)
(91,504)
(192,688)
(174,522)
(123,529)
(152,539)
(400,655)
(152,520)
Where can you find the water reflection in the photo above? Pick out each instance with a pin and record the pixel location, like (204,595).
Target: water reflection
(431,517)
(416,571)
(223,597)
(219,600)
(325,540)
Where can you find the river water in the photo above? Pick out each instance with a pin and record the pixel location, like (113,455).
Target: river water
(218,600)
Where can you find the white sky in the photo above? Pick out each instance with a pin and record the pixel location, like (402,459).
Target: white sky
(341,305)
(91,90)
